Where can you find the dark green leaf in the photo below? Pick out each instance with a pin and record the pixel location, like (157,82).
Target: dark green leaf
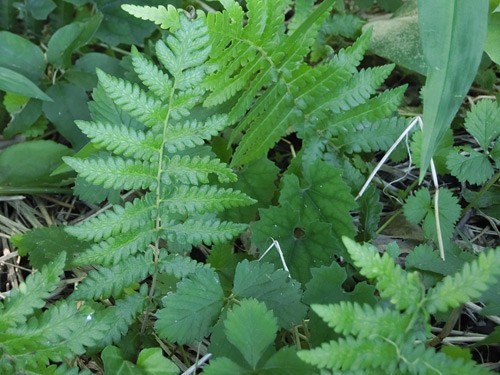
(70,104)
(257,180)
(69,38)
(40,9)
(22,120)
(29,164)
(305,244)
(469,166)
(43,245)
(193,309)
(274,288)
(251,328)
(11,81)
(22,56)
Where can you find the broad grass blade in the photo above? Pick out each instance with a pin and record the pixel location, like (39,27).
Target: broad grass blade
(453,33)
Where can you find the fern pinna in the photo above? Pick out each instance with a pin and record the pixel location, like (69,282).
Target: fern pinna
(154,144)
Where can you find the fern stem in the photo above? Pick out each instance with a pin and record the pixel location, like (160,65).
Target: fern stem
(158,223)
(448,326)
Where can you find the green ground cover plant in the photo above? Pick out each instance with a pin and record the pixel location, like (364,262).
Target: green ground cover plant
(224,163)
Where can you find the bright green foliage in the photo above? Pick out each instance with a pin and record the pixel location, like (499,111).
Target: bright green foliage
(392,337)
(388,275)
(251,329)
(468,164)
(167,18)
(468,284)
(260,56)
(419,209)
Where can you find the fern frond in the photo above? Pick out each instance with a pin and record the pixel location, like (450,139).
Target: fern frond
(31,294)
(193,133)
(403,289)
(193,199)
(468,284)
(122,315)
(167,18)
(116,249)
(370,137)
(184,52)
(118,220)
(122,140)
(115,172)
(105,282)
(132,99)
(383,105)
(60,333)
(344,355)
(241,53)
(208,231)
(179,266)
(359,88)
(151,76)
(363,321)
(195,170)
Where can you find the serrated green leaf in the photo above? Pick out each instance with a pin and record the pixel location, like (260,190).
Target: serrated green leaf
(193,199)
(321,195)
(193,309)
(425,258)
(469,165)
(274,288)
(114,172)
(482,122)
(419,209)
(304,244)
(251,328)
(343,355)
